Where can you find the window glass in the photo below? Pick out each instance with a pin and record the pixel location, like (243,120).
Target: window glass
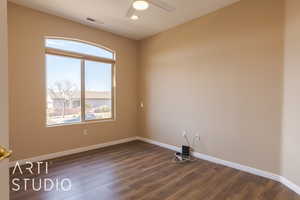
(79,47)
(98,90)
(63,90)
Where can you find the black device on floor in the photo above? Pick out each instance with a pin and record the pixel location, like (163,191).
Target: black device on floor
(185,150)
(184,155)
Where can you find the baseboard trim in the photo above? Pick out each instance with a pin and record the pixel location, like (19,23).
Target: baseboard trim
(290,185)
(218,161)
(167,146)
(71,151)
(237,166)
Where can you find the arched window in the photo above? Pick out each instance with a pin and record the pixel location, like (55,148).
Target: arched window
(80,82)
(79,47)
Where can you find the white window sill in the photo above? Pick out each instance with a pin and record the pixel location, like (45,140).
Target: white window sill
(81,123)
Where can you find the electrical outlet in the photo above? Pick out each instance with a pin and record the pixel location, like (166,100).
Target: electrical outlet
(85,132)
(184,134)
(197,137)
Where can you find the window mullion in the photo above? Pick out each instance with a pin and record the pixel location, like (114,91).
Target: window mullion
(113,90)
(82,90)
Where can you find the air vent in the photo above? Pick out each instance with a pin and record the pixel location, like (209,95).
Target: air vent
(90,20)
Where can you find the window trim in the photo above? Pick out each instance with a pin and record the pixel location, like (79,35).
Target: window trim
(82,41)
(71,54)
(83,58)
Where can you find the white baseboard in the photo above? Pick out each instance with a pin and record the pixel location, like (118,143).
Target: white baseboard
(290,185)
(218,161)
(237,166)
(72,151)
(167,146)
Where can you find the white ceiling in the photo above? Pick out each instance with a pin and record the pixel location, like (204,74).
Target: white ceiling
(113,14)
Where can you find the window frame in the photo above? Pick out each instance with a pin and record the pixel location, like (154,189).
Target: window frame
(83,58)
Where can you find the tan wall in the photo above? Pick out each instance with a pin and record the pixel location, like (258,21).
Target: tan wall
(4,124)
(291,115)
(219,76)
(29,136)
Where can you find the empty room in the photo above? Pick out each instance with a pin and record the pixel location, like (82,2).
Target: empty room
(149,100)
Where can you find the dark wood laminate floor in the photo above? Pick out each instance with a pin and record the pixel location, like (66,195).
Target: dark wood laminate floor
(141,171)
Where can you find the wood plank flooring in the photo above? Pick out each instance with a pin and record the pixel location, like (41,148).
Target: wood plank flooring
(141,171)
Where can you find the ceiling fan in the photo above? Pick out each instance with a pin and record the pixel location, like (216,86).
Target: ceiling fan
(139,5)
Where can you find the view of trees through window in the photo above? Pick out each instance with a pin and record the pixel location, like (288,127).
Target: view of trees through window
(72,82)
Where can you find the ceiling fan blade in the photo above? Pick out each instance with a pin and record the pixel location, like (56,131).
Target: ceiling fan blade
(130,12)
(162,5)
